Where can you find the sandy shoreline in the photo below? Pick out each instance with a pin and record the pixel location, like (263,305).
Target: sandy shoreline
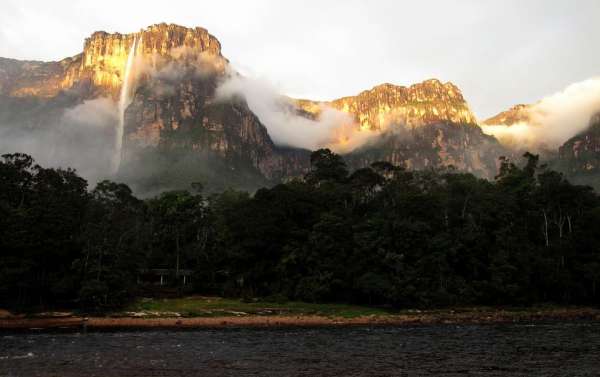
(424,318)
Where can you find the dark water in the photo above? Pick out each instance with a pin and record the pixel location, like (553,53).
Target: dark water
(557,349)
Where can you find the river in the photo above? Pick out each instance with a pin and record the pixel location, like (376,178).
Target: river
(547,349)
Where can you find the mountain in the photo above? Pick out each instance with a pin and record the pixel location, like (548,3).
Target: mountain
(543,127)
(579,157)
(516,129)
(517,114)
(146,103)
(100,68)
(460,146)
(174,130)
(425,125)
(429,102)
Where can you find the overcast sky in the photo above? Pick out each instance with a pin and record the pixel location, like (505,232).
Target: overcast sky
(498,52)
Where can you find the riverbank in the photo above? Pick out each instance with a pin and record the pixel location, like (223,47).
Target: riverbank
(211,312)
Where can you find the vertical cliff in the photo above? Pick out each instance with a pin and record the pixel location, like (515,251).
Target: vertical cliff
(429,102)
(105,55)
(421,126)
(173,123)
(176,130)
(174,108)
(460,146)
(100,68)
(579,157)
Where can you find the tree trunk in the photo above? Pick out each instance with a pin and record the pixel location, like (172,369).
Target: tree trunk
(561,222)
(87,258)
(177,258)
(546,228)
(464,208)
(100,252)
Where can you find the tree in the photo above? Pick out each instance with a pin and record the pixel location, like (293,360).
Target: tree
(113,247)
(382,235)
(44,210)
(326,166)
(179,224)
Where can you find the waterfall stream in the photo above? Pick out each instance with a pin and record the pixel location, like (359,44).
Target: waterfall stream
(124,101)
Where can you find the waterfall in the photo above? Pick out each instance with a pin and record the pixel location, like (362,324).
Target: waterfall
(124,101)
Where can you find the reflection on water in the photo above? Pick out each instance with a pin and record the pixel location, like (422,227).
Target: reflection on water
(556,349)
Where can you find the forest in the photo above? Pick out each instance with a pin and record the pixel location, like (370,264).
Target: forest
(381,235)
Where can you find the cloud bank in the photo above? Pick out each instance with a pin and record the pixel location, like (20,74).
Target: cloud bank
(82,138)
(332,128)
(554,119)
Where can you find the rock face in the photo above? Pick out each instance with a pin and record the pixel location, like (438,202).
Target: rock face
(105,55)
(579,157)
(100,68)
(460,146)
(516,114)
(33,78)
(173,124)
(186,117)
(429,102)
(174,109)
(422,126)
(176,131)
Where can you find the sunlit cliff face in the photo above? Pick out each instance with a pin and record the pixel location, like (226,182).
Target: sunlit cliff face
(163,53)
(109,71)
(105,59)
(429,102)
(387,107)
(516,114)
(102,63)
(181,97)
(105,55)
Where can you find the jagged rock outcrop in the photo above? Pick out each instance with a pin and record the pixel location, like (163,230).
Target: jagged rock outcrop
(429,102)
(517,114)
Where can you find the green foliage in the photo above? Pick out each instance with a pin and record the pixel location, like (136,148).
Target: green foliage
(269,306)
(381,236)
(112,241)
(326,166)
(42,213)
(178,223)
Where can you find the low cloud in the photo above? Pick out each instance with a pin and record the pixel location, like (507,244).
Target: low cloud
(82,138)
(554,119)
(179,62)
(332,128)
